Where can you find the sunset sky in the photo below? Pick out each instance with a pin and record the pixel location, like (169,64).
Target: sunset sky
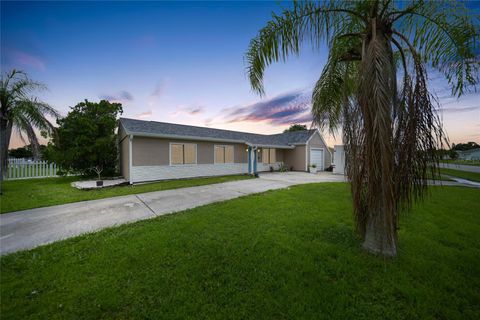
(177,62)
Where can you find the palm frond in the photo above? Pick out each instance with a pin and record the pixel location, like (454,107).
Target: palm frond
(284,34)
(337,83)
(21,110)
(445,36)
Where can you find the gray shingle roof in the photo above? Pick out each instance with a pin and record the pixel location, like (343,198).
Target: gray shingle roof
(154,128)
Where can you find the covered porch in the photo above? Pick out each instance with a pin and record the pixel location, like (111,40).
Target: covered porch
(262,158)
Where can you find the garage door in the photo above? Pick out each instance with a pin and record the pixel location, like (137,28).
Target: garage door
(316,157)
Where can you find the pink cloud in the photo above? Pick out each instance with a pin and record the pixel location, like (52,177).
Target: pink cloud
(144,115)
(122,96)
(27,59)
(287,108)
(191,111)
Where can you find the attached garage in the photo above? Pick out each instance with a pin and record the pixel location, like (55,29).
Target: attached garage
(317,158)
(317,152)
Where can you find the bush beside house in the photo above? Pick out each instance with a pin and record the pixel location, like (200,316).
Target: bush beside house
(86,140)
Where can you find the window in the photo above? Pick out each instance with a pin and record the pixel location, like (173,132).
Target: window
(183,153)
(223,154)
(269,155)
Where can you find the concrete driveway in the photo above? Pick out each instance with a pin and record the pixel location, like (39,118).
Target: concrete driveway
(30,228)
(460,167)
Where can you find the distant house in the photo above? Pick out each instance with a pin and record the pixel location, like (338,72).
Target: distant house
(472,154)
(151,150)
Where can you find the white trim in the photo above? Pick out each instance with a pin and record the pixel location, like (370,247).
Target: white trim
(306,156)
(307,160)
(166,172)
(130,157)
(271,146)
(184,164)
(223,145)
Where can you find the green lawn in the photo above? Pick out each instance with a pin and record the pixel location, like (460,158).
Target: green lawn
(35,193)
(472,176)
(279,255)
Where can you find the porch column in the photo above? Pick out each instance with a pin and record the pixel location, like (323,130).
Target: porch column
(255,156)
(249,160)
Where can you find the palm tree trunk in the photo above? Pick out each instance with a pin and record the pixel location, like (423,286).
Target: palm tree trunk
(379,235)
(377,94)
(5,133)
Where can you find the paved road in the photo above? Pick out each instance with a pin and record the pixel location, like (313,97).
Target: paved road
(460,167)
(30,228)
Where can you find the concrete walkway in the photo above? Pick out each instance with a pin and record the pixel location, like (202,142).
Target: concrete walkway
(31,228)
(460,167)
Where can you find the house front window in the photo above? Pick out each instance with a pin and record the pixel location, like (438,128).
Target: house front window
(223,154)
(269,155)
(183,153)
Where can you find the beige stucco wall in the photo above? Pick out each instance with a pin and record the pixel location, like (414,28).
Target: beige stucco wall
(148,151)
(317,142)
(279,155)
(295,158)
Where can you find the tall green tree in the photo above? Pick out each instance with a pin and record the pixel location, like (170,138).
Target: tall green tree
(465,146)
(85,141)
(26,151)
(23,112)
(296,127)
(375,86)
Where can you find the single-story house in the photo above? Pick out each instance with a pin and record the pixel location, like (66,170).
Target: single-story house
(472,154)
(151,150)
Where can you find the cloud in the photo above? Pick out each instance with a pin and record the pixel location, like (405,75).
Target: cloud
(122,97)
(191,111)
(287,108)
(159,89)
(125,95)
(459,110)
(144,115)
(25,59)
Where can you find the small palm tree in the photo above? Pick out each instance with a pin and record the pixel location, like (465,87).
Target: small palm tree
(21,112)
(375,86)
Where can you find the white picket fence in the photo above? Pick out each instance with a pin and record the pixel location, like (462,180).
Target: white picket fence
(30,169)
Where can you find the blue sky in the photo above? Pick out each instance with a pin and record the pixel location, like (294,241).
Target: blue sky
(174,62)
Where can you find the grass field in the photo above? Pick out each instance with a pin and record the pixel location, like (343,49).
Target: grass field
(35,193)
(287,254)
(472,176)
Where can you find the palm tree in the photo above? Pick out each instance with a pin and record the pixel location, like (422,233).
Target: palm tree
(375,87)
(21,112)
